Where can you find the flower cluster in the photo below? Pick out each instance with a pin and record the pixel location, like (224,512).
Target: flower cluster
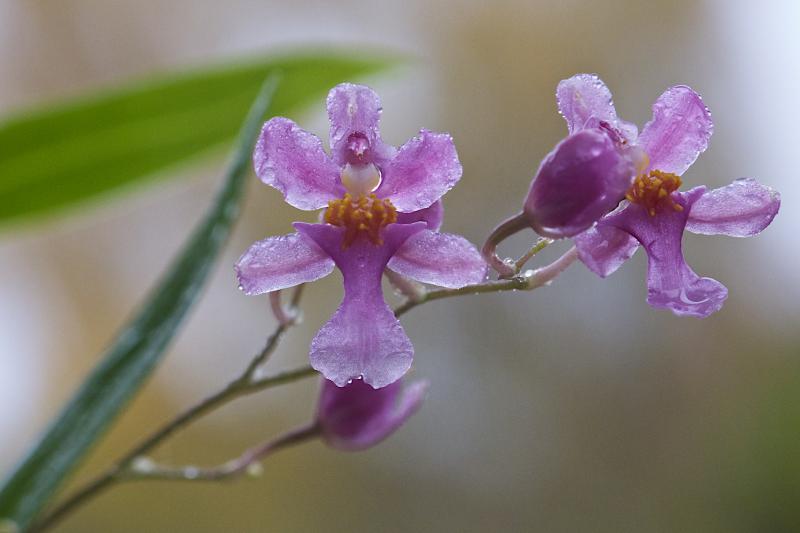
(606,186)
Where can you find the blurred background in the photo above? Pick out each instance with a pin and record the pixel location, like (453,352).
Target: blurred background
(574,408)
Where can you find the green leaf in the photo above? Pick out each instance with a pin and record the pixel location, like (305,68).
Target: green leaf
(135,351)
(54,158)
(141,343)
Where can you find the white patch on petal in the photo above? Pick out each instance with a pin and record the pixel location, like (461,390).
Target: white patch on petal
(361,179)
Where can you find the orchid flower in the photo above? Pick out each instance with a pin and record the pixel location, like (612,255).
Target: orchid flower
(655,213)
(382,210)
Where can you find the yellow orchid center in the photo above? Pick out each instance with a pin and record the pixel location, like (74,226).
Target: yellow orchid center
(654,190)
(363,213)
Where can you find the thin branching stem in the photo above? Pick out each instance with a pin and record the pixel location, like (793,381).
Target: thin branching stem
(125,468)
(528,282)
(503,231)
(245,383)
(248,462)
(540,245)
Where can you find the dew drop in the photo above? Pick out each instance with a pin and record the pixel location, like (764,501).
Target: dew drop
(143,465)
(259,373)
(255,469)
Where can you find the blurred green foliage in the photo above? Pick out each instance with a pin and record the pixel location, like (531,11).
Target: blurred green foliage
(54,157)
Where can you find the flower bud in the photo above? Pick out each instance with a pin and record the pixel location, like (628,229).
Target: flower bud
(356,416)
(582,179)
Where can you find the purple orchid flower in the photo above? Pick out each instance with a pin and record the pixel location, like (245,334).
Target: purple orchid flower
(356,416)
(382,209)
(655,214)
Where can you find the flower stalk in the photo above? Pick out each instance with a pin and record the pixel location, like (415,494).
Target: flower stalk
(503,231)
(123,470)
(538,246)
(247,463)
(289,315)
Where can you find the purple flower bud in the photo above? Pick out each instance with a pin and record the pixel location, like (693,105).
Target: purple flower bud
(356,416)
(582,179)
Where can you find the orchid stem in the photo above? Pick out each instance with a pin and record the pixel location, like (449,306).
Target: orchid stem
(125,468)
(288,315)
(272,342)
(247,463)
(408,288)
(503,231)
(540,245)
(244,384)
(534,280)
(543,276)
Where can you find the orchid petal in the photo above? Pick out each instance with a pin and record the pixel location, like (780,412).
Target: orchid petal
(678,132)
(432,216)
(424,169)
(603,249)
(439,259)
(356,416)
(363,338)
(742,209)
(584,97)
(628,130)
(293,161)
(280,262)
(356,110)
(671,283)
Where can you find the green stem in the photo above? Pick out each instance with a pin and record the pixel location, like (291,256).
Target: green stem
(533,280)
(242,385)
(503,231)
(516,283)
(246,384)
(118,472)
(540,245)
(243,464)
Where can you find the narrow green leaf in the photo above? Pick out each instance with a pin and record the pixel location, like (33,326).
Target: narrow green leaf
(137,348)
(54,158)
(140,344)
